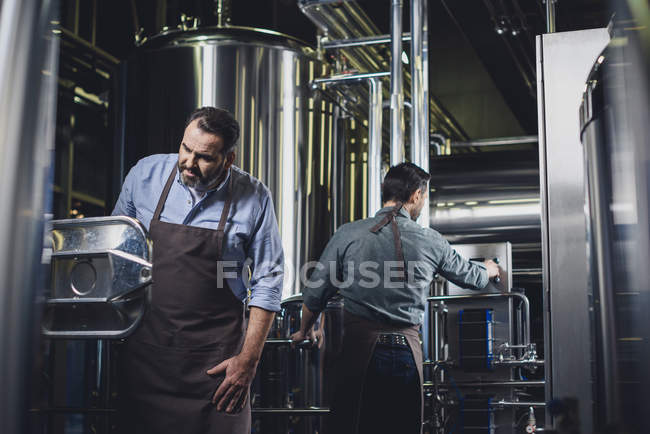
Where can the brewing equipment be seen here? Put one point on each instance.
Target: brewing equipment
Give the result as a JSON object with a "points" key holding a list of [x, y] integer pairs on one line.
{"points": [[295, 381], [486, 196], [614, 134], [263, 78], [564, 60], [100, 277], [482, 351]]}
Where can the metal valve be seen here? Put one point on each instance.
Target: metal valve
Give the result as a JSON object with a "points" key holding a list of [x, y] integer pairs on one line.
{"points": [[531, 427]]}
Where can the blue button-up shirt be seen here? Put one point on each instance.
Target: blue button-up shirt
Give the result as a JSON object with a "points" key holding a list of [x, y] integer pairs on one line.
{"points": [[252, 236]]}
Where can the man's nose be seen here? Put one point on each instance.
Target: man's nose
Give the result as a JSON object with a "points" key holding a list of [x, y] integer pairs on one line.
{"points": [[191, 160]]}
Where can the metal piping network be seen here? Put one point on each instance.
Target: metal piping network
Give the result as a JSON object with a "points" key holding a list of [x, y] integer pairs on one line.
{"points": [[374, 130], [420, 93], [345, 25], [525, 302], [396, 85]]}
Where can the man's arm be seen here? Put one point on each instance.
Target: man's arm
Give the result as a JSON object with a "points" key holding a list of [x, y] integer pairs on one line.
{"points": [[319, 289], [462, 272], [267, 264], [240, 370], [124, 205]]}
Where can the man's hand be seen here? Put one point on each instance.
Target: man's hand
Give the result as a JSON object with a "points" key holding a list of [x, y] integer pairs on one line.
{"points": [[492, 268], [314, 336], [233, 391]]}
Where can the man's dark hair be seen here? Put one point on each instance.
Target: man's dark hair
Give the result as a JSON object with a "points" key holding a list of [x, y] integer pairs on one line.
{"points": [[402, 181], [218, 122]]}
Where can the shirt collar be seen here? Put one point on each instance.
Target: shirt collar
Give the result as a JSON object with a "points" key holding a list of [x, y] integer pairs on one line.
{"points": [[403, 212], [217, 188]]}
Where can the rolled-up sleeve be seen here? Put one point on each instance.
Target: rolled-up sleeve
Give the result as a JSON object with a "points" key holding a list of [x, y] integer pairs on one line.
{"points": [[319, 287], [458, 270], [267, 259], [124, 205]]}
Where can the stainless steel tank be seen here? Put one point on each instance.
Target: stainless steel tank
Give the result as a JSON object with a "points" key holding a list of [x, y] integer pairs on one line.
{"points": [[615, 136], [486, 197], [286, 130], [295, 382]]}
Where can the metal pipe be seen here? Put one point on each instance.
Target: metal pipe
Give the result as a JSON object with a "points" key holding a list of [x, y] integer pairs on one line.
{"points": [[337, 173], [352, 77], [499, 141], [374, 146], [513, 383], [518, 362], [602, 246], [420, 94], [419, 91], [74, 410], [223, 12], [374, 130], [361, 42], [550, 16], [93, 37], [527, 272], [92, 48], [309, 411], [273, 341], [434, 376], [396, 86], [504, 403], [521, 297], [136, 22]]}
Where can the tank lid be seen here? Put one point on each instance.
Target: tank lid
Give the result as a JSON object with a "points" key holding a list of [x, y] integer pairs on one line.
{"points": [[178, 37]]}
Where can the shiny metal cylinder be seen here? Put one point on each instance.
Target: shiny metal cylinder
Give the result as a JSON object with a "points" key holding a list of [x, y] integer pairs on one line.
{"points": [[420, 92], [550, 16], [396, 85], [296, 379], [374, 146], [486, 197], [615, 134], [263, 78], [29, 50]]}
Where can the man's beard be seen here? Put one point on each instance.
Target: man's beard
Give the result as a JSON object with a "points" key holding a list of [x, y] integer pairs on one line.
{"points": [[199, 182]]}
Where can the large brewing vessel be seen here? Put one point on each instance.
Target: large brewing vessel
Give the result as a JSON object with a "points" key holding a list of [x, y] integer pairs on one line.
{"points": [[486, 197], [263, 78]]}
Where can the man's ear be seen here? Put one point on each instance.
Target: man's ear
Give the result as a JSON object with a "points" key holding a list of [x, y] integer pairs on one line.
{"points": [[415, 197], [230, 158]]}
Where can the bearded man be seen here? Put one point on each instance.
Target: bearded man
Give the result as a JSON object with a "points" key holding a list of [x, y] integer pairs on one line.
{"points": [[189, 365]]}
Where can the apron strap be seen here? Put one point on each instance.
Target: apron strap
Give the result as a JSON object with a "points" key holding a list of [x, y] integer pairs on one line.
{"points": [[163, 195], [390, 218], [222, 220], [224, 212]]}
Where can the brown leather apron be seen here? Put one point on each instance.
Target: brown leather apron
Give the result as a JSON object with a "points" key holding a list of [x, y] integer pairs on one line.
{"points": [[194, 322], [359, 339]]}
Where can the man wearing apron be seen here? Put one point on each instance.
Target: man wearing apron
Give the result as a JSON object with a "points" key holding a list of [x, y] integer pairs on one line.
{"points": [[383, 267], [189, 365]]}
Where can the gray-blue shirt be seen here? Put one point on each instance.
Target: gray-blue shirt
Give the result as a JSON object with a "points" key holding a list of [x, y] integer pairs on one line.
{"points": [[252, 236], [362, 266]]}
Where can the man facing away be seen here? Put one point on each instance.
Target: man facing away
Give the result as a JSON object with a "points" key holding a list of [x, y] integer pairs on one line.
{"points": [[189, 365], [383, 266]]}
